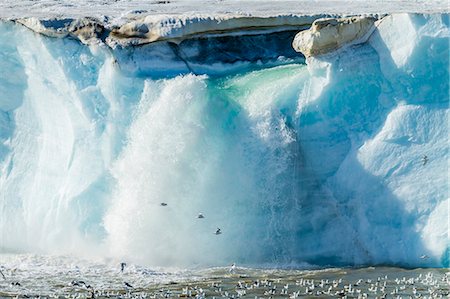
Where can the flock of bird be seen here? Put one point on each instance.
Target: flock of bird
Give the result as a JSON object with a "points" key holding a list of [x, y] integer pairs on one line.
{"points": [[422, 286], [237, 283]]}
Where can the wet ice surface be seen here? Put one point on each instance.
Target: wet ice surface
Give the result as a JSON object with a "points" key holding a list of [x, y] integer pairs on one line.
{"points": [[117, 8], [31, 276]]}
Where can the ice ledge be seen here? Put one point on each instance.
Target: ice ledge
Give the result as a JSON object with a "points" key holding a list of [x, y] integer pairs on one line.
{"points": [[87, 30], [327, 35], [154, 28]]}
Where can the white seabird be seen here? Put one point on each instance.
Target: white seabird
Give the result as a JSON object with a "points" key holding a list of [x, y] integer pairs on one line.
{"points": [[232, 268]]}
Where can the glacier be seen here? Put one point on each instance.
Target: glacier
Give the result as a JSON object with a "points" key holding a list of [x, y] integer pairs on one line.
{"points": [[337, 159]]}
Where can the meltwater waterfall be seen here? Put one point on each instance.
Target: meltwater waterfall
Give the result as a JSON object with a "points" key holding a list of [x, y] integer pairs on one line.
{"points": [[320, 163]]}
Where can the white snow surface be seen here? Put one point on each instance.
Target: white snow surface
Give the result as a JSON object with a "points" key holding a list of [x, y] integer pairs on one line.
{"points": [[123, 8]]}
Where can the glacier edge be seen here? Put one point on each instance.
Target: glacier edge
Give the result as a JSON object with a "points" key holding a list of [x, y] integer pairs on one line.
{"points": [[325, 160]]}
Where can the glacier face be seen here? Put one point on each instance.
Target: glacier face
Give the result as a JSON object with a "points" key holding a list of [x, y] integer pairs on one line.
{"points": [[320, 163]]}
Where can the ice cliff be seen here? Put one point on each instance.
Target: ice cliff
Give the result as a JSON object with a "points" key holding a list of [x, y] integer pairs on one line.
{"points": [[339, 159]]}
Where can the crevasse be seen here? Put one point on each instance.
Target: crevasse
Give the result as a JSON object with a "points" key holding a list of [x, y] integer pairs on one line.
{"points": [[321, 163]]}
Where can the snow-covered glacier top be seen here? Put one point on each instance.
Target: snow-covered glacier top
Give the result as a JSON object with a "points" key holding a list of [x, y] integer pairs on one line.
{"points": [[119, 8]]}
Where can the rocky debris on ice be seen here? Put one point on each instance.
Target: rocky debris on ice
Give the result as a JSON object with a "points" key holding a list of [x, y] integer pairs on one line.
{"points": [[329, 34]]}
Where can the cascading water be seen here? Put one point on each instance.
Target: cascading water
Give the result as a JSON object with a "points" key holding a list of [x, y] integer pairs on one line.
{"points": [[294, 163], [221, 148]]}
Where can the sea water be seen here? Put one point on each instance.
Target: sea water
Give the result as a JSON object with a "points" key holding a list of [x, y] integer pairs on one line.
{"points": [[29, 276]]}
